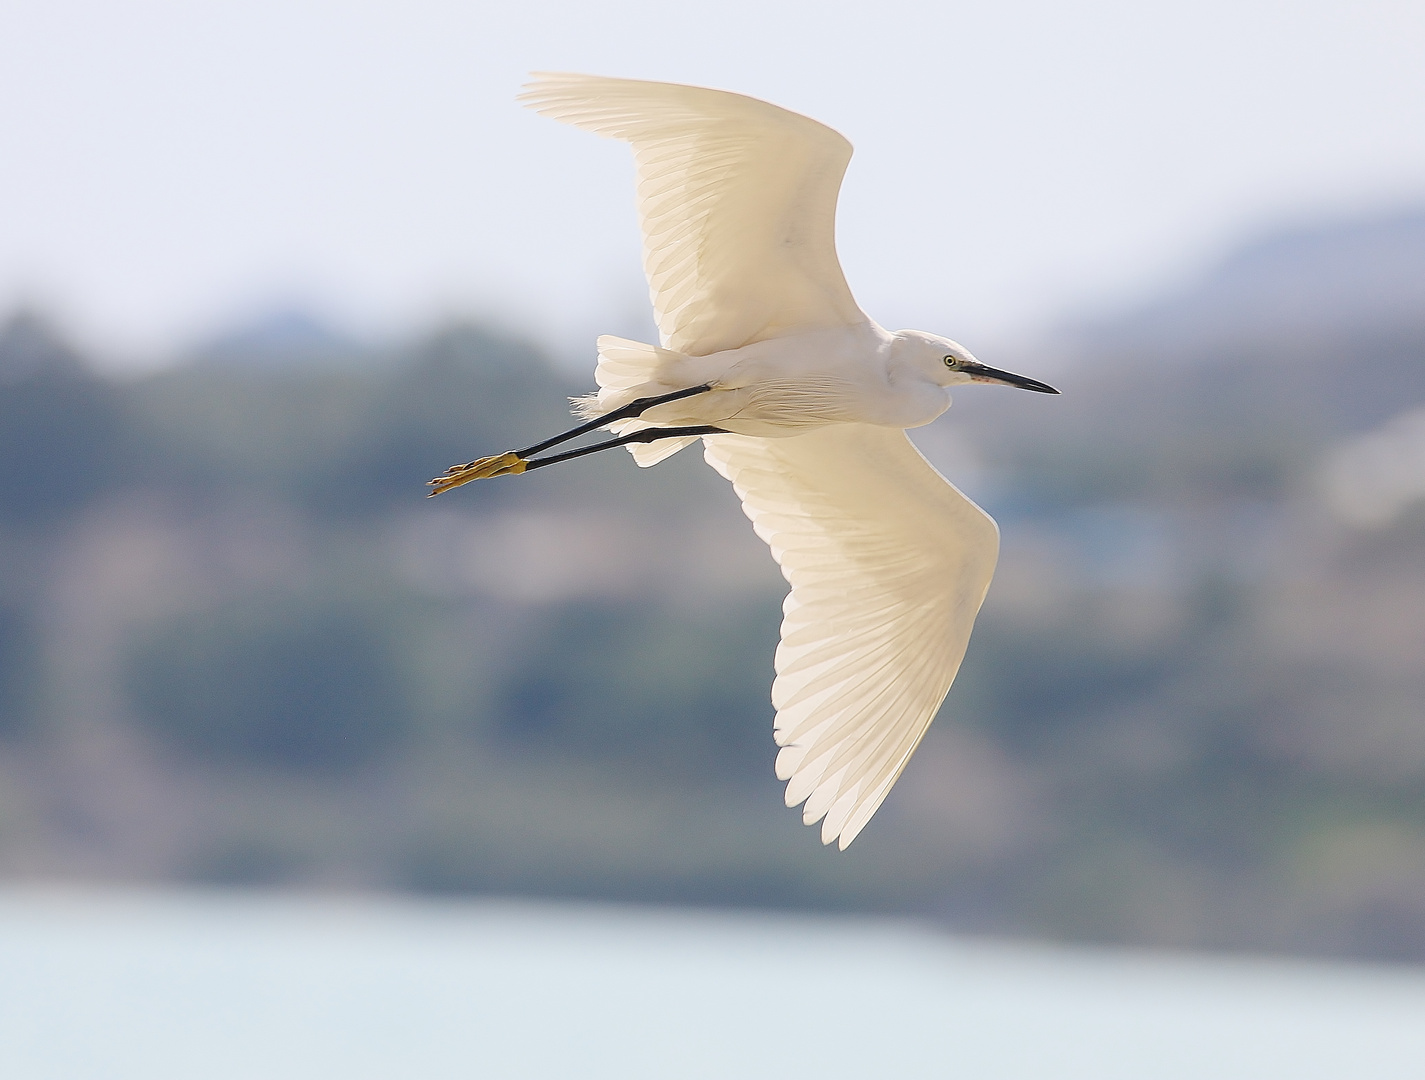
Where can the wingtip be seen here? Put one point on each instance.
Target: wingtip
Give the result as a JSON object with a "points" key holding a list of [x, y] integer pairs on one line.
{"points": [[535, 78], [540, 83]]}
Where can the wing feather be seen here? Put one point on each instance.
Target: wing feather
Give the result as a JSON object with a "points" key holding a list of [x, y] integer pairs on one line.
{"points": [[888, 565], [737, 201]]}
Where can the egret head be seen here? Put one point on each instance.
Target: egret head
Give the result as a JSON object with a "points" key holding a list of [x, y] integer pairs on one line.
{"points": [[948, 363]]}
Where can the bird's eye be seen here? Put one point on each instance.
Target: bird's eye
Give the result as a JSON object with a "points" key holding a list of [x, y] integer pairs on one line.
{"points": [[949, 361]]}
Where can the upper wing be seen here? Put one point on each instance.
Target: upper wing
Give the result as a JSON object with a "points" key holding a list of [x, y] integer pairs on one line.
{"points": [[737, 200], [888, 565]]}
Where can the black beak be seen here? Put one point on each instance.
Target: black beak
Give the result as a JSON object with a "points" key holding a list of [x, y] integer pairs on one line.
{"points": [[984, 373]]}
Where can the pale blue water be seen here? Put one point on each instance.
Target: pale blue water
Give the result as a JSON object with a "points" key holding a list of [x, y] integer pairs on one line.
{"points": [[210, 987]]}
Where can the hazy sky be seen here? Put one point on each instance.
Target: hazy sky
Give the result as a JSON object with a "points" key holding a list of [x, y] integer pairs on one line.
{"points": [[169, 167]]}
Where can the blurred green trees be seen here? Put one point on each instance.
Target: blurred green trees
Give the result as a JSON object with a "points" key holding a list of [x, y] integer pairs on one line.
{"points": [[59, 425], [1193, 711], [282, 681]]}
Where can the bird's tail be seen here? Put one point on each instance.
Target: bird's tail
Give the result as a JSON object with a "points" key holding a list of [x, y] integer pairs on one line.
{"points": [[629, 370]]}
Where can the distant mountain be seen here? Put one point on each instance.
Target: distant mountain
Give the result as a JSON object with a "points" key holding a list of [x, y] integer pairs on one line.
{"points": [[1335, 277], [1318, 330], [279, 338]]}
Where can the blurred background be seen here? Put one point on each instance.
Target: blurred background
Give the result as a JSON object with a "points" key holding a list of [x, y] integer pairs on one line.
{"points": [[267, 267]]}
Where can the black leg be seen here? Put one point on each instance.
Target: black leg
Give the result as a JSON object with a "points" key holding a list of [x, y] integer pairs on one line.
{"points": [[627, 412], [513, 462], [647, 435]]}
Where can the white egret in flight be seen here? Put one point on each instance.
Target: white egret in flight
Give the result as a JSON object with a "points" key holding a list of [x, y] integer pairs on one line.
{"points": [[801, 401]]}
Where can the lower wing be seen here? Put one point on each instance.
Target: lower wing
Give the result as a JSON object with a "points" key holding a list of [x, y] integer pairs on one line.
{"points": [[888, 564]]}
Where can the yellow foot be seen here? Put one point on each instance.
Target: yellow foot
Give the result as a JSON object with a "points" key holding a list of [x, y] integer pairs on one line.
{"points": [[500, 465]]}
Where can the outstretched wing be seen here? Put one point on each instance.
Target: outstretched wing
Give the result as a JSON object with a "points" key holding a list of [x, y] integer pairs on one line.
{"points": [[888, 565], [737, 199]]}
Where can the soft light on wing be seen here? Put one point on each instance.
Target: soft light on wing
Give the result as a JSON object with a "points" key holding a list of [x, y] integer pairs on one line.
{"points": [[888, 565], [737, 200]]}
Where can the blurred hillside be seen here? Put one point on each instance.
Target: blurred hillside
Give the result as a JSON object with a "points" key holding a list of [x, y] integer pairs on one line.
{"points": [[237, 645]]}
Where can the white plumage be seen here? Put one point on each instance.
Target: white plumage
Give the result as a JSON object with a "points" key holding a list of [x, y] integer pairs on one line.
{"points": [[888, 563], [737, 200]]}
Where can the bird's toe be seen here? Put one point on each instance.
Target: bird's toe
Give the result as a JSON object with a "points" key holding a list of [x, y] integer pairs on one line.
{"points": [[508, 463]]}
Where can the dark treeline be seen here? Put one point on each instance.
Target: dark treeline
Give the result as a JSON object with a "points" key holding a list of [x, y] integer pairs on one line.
{"points": [[237, 645]]}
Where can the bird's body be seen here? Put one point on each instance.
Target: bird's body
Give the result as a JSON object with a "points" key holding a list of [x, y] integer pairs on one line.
{"points": [[801, 401], [786, 386]]}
